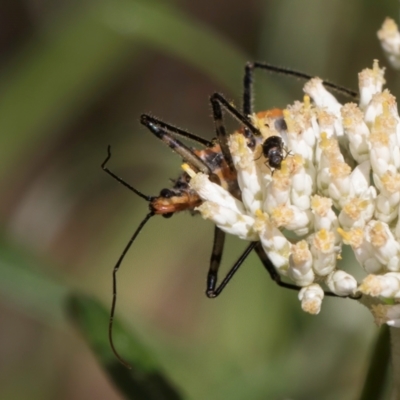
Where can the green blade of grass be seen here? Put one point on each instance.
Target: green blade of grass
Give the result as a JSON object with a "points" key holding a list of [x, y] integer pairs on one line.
{"points": [[144, 381]]}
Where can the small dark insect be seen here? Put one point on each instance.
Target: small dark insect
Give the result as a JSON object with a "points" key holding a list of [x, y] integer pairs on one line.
{"points": [[215, 160], [273, 151]]}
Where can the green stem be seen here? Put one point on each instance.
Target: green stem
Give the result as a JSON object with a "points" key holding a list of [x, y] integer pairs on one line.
{"points": [[395, 352], [376, 377]]}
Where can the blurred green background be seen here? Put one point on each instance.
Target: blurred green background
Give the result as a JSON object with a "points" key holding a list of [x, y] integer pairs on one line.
{"points": [[74, 77]]}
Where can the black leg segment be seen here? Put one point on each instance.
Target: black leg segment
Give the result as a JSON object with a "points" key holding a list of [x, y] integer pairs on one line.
{"points": [[248, 82], [212, 291], [174, 144]]}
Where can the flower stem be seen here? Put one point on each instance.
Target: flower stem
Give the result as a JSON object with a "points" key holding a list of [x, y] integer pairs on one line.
{"points": [[376, 377], [395, 352]]}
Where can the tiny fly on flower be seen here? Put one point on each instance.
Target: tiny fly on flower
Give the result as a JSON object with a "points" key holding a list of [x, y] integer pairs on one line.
{"points": [[215, 160]]}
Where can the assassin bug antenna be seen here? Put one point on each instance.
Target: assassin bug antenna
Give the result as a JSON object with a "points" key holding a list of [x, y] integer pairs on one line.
{"points": [[123, 254], [114, 297], [104, 167]]}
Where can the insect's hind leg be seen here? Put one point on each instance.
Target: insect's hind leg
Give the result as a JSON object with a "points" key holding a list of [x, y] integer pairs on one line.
{"points": [[212, 289], [275, 276], [248, 82]]}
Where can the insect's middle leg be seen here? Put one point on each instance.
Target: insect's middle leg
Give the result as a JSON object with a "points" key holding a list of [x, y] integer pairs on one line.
{"points": [[219, 103]]}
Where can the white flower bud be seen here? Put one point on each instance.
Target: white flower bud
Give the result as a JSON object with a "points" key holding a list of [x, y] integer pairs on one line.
{"points": [[311, 298], [357, 132], [322, 98], [390, 41], [324, 252], [300, 264], [248, 177], [370, 81], [229, 220], [387, 285], [341, 283]]}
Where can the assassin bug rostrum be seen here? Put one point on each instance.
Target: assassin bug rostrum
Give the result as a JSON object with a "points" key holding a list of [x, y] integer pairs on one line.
{"points": [[214, 160]]}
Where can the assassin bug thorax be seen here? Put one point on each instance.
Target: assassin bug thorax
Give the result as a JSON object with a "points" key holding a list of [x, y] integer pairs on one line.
{"points": [[214, 160]]}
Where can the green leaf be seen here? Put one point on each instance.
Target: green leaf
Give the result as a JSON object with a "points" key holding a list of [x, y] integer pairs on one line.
{"points": [[24, 283], [144, 381]]}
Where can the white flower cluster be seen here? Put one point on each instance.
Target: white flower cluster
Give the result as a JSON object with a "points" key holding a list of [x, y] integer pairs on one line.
{"points": [[338, 185]]}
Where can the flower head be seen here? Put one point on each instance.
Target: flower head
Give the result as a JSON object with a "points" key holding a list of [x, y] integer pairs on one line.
{"points": [[338, 184]]}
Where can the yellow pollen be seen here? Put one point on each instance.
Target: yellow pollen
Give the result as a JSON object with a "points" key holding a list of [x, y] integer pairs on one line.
{"points": [[188, 170], [371, 76], [282, 215], [310, 306], [324, 240], [261, 220], [339, 169], [259, 214], [259, 123], [330, 147], [378, 135], [324, 143], [371, 285], [300, 252], [345, 235], [307, 102], [354, 237], [378, 235], [281, 177], [376, 70], [386, 121], [321, 205], [298, 159], [351, 116], [391, 181], [325, 118], [291, 126], [244, 158], [354, 207]]}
